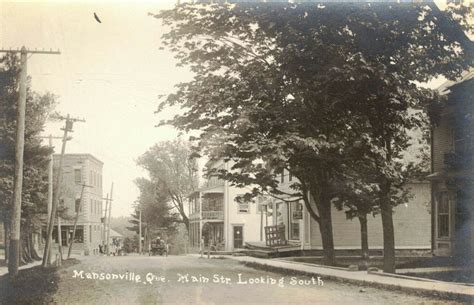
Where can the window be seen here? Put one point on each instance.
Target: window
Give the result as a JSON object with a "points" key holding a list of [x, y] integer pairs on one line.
{"points": [[92, 204], [243, 207], [443, 214], [78, 207], [296, 214], [282, 176], [77, 175], [459, 143], [290, 176]]}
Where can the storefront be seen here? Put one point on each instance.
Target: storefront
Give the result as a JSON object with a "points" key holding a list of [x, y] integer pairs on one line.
{"points": [[289, 215]]}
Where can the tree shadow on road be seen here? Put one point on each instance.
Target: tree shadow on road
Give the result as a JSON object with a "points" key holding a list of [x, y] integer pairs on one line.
{"points": [[35, 285]]}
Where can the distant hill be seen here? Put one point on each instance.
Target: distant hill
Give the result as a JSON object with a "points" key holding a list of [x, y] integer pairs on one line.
{"points": [[120, 225]]}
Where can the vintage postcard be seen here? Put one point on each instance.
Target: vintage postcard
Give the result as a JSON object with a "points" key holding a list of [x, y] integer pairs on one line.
{"points": [[236, 152]]}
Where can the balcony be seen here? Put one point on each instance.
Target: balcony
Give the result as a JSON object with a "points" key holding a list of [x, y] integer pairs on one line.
{"points": [[194, 215], [213, 215], [213, 182]]}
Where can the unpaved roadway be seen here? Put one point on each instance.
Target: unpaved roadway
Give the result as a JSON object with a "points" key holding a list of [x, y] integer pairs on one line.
{"points": [[193, 280]]}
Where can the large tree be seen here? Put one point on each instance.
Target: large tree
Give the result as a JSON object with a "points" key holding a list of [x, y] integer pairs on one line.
{"points": [[36, 155], [154, 203], [312, 88], [172, 171]]}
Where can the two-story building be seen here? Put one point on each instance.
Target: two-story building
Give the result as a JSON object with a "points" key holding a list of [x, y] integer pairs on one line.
{"points": [[235, 225], [230, 224], [412, 222], [80, 170], [453, 170]]}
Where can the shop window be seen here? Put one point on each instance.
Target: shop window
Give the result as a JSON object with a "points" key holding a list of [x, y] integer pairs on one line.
{"points": [[296, 214], [79, 235]]}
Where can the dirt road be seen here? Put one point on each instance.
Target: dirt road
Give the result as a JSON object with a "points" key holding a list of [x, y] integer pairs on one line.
{"points": [[191, 280]]}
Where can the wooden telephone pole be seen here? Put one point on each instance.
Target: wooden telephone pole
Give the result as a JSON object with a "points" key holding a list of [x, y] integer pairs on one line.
{"points": [[78, 211], [108, 219], [140, 249], [14, 249], [50, 181], [104, 222], [57, 186]]}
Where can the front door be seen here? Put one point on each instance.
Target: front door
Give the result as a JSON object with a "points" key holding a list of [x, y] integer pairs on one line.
{"points": [[238, 237]]}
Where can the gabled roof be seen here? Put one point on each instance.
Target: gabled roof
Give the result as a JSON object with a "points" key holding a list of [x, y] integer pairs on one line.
{"points": [[114, 233], [445, 88]]}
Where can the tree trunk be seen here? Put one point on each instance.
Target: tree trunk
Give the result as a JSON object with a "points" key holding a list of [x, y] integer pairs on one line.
{"points": [[6, 228], [325, 227], [364, 237], [388, 236], [324, 219], [186, 221], [32, 251], [25, 251]]}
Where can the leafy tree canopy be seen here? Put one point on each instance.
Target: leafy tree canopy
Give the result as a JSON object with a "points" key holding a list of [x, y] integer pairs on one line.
{"points": [[301, 85], [36, 155], [173, 173]]}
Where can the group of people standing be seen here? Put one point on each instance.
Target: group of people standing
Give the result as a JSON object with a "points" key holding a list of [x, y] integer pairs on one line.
{"points": [[113, 251]]}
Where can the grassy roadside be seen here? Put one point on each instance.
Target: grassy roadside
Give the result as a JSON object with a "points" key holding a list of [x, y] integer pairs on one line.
{"points": [[34, 285]]}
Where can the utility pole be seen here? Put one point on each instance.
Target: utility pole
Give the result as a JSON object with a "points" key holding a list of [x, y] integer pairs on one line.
{"points": [[78, 211], [14, 249], [57, 186], [140, 231], [108, 222], [104, 233], [50, 184]]}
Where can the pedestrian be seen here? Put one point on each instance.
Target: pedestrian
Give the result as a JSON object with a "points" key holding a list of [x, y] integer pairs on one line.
{"points": [[167, 248]]}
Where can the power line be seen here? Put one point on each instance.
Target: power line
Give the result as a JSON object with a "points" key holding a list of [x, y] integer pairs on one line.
{"points": [[15, 221], [68, 124]]}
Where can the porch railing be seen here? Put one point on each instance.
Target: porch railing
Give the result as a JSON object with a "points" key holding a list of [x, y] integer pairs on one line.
{"points": [[213, 215]]}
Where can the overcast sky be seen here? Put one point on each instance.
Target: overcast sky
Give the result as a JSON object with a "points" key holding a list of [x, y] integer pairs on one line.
{"points": [[108, 73]]}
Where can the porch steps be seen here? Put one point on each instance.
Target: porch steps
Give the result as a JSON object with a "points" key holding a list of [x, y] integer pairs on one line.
{"points": [[261, 250]]}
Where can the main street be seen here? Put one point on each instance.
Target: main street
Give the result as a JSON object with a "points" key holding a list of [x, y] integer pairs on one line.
{"points": [[193, 280]]}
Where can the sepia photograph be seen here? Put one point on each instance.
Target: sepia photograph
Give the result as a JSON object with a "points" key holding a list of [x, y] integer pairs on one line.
{"points": [[236, 152]]}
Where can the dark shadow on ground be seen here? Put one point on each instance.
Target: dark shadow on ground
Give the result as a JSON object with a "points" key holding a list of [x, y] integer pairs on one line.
{"points": [[31, 286]]}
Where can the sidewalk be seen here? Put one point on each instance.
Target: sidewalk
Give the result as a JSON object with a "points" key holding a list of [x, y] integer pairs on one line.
{"points": [[4, 269], [377, 279]]}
